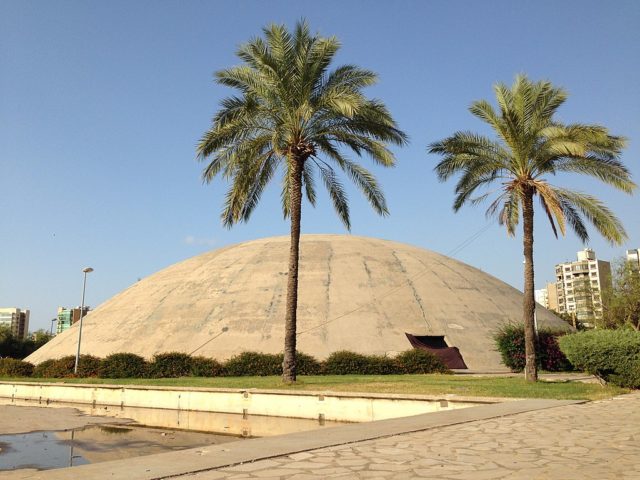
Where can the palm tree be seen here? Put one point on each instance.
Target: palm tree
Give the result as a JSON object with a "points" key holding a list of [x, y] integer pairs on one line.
{"points": [[531, 146], [293, 114]]}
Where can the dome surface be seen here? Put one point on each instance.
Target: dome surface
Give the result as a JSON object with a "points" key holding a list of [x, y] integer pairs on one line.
{"points": [[355, 293]]}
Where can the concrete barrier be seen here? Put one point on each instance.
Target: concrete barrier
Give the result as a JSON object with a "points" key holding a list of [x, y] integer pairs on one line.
{"points": [[320, 406]]}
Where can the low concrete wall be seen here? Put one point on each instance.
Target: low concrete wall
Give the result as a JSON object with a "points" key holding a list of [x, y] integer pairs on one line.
{"points": [[340, 407]]}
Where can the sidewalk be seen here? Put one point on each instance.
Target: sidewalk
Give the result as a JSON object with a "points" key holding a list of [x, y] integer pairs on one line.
{"points": [[527, 440], [598, 440]]}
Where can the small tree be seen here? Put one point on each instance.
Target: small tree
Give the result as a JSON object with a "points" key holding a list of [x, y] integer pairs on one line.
{"points": [[622, 301]]}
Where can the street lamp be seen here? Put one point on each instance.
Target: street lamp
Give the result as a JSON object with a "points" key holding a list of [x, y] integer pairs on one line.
{"points": [[52, 320], [84, 287]]}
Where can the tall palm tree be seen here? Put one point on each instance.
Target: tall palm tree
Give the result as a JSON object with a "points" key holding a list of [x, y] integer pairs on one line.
{"points": [[291, 113], [531, 146]]}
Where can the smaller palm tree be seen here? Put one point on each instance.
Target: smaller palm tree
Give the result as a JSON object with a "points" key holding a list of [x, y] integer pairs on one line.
{"points": [[531, 146]]}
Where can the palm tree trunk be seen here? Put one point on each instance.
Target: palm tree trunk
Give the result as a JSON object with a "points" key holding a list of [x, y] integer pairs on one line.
{"points": [[289, 363], [529, 305]]}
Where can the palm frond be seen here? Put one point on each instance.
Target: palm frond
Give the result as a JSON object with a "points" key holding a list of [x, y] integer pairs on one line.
{"points": [[598, 214], [336, 193]]}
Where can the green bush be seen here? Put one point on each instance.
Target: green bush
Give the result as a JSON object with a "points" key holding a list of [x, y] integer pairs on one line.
{"points": [[123, 365], [10, 367], [419, 361], [253, 364], [613, 355], [205, 367], [170, 365], [88, 366], [510, 343], [350, 363], [305, 364], [44, 369]]}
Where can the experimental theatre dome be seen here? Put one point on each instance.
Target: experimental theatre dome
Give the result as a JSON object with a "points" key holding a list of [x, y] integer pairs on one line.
{"points": [[356, 293]]}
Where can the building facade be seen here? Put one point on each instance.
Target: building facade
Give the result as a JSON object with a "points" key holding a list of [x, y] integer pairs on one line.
{"points": [[67, 317], [580, 284], [16, 319], [552, 297]]}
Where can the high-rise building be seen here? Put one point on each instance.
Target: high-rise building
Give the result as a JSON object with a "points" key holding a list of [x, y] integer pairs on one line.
{"points": [[67, 317], [633, 259], [580, 285], [16, 319]]}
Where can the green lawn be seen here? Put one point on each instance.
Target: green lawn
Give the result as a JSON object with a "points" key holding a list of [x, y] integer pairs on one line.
{"points": [[514, 387]]}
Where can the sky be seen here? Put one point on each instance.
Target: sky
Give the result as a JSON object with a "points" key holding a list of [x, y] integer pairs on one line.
{"points": [[102, 105]]}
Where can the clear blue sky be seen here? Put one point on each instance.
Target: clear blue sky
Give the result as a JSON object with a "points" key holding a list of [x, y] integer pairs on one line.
{"points": [[102, 103]]}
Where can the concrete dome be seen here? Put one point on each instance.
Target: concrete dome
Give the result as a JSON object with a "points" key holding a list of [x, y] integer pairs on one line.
{"points": [[356, 293]]}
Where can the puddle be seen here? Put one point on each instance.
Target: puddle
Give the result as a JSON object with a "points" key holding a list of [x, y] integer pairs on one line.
{"points": [[95, 443]]}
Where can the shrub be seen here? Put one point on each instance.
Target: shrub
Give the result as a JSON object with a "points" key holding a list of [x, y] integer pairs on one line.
{"points": [[88, 366], [612, 355], [10, 367], [123, 365], [253, 364], [350, 363], [44, 369], [205, 367], [305, 364], [420, 361], [549, 356], [170, 365], [510, 343]]}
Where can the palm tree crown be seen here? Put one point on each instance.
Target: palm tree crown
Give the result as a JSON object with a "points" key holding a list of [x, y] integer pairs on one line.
{"points": [[290, 109], [532, 145]]}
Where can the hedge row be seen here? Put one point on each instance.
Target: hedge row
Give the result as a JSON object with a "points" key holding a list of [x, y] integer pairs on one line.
{"points": [[176, 364], [510, 343], [612, 355]]}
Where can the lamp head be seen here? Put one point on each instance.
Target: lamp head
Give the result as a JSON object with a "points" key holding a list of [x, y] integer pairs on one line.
{"points": [[87, 270]]}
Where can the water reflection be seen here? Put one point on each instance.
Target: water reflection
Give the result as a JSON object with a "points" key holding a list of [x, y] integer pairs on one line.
{"points": [[95, 443], [243, 425]]}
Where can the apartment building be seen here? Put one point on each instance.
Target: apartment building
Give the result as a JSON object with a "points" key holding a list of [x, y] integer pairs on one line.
{"points": [[16, 319], [580, 284]]}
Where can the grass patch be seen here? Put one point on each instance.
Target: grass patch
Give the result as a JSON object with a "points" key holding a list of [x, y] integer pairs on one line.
{"points": [[434, 384]]}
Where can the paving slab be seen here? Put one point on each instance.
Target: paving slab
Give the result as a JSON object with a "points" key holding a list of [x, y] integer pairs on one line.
{"points": [[212, 459], [597, 440]]}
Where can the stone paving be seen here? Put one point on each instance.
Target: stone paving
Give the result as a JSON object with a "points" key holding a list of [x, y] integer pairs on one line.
{"points": [[597, 440]]}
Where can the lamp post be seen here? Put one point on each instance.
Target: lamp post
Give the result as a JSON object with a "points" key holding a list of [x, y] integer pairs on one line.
{"points": [[84, 287], [51, 331]]}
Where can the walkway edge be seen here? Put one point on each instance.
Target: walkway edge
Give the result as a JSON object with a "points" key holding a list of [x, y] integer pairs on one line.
{"points": [[173, 464]]}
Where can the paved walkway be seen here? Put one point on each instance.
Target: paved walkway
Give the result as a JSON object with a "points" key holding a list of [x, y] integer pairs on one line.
{"points": [[597, 440]]}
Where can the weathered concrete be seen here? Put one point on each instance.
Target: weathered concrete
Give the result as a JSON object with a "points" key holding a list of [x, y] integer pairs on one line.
{"points": [[263, 453], [330, 406], [15, 419], [356, 293]]}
